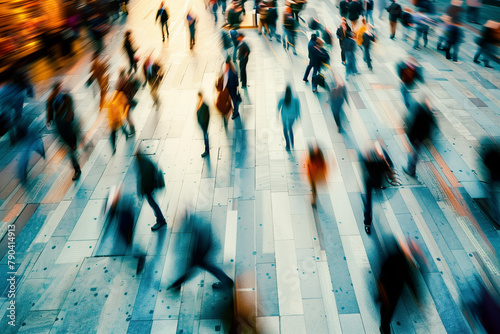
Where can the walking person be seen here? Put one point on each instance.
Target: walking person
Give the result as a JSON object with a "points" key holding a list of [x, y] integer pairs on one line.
{"points": [[454, 38], [342, 34], [409, 71], [289, 109], [129, 87], [203, 116], [243, 54], [316, 170], [473, 7], [214, 5], [202, 244], [374, 171], [419, 129], [263, 11], [319, 56], [118, 108], [149, 179], [394, 12], [130, 50], [485, 42], [407, 22], [272, 18], [234, 37], [355, 10], [191, 20], [344, 8], [338, 94], [289, 24], [99, 71], [350, 55], [231, 82], [154, 77], [368, 38], [162, 14], [60, 110], [369, 11], [421, 22], [310, 47], [491, 160]]}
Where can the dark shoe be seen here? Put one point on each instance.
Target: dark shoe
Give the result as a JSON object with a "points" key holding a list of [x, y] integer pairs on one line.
{"points": [[204, 154], [174, 287], [158, 225], [477, 61], [287, 148], [305, 80], [235, 116], [163, 39], [315, 90], [220, 285], [77, 175], [368, 229], [488, 66], [140, 264]]}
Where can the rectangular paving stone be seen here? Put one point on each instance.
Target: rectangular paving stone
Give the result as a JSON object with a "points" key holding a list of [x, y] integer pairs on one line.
{"points": [[315, 316], [244, 187], [22, 220], [293, 324], [39, 321], [282, 222], [351, 323], [268, 290], [308, 274], [139, 326], [289, 293]]}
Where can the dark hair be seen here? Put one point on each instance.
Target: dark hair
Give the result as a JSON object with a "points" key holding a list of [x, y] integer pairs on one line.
{"points": [[288, 95], [313, 37]]}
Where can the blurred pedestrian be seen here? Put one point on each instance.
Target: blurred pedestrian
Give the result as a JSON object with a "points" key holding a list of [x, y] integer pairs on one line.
{"points": [[98, 28], [319, 57], [316, 170], [491, 160], [369, 11], [203, 116], [407, 22], [162, 14], [272, 18], [234, 37], [422, 23], [289, 109], [396, 271], [202, 244], [243, 54], [234, 15], [130, 50], [420, 128], [289, 24], [454, 10], [409, 71], [338, 94], [374, 172], [12, 97], [473, 7], [149, 179], [489, 36], [342, 34], [128, 85], [297, 6], [350, 55], [154, 76], [368, 38], [99, 71], [33, 143], [223, 101], [310, 47], [191, 20], [355, 10], [454, 39], [394, 12], [118, 109], [263, 10], [60, 110], [231, 82]]}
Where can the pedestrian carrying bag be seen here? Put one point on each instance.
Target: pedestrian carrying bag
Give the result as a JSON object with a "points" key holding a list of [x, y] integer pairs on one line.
{"points": [[159, 180]]}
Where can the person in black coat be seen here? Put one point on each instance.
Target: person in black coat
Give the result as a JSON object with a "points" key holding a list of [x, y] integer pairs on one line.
{"points": [[203, 115], [485, 44], [342, 34], [243, 54], [318, 57], [344, 8], [232, 83], [453, 40], [202, 244], [491, 160], [394, 12], [147, 182], [130, 51], [368, 38], [374, 172], [162, 13], [355, 10], [419, 130], [310, 47]]}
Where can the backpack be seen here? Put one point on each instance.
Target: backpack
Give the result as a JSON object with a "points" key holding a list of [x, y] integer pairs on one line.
{"points": [[408, 73]]}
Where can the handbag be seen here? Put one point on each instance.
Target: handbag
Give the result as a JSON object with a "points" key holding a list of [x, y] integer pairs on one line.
{"points": [[319, 79]]}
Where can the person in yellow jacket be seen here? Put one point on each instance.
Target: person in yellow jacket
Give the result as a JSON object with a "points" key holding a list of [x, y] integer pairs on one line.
{"points": [[99, 71], [118, 109], [360, 32]]}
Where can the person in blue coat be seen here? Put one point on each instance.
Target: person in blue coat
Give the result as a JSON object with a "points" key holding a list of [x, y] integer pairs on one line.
{"points": [[289, 108]]}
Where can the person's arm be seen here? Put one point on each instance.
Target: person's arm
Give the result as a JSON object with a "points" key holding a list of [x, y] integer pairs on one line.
{"points": [[157, 15], [50, 110]]}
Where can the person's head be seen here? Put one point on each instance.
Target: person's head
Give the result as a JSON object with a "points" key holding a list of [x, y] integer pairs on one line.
{"points": [[363, 21], [240, 37], [128, 33], [200, 95], [161, 5], [288, 95], [314, 37], [57, 87]]}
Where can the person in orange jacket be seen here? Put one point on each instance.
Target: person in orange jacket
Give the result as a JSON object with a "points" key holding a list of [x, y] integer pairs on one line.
{"points": [[316, 169], [118, 109]]}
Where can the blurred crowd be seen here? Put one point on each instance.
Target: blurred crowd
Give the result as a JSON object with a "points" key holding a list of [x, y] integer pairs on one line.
{"points": [[355, 33]]}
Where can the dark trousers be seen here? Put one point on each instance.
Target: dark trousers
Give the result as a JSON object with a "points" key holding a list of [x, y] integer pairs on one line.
{"points": [[113, 137], [413, 158], [132, 63], [472, 14], [236, 105], [336, 107], [164, 26], [421, 32], [368, 59], [386, 312], [155, 207], [368, 201], [205, 140], [314, 82], [342, 53], [288, 132], [191, 35], [202, 263], [243, 71], [308, 69]]}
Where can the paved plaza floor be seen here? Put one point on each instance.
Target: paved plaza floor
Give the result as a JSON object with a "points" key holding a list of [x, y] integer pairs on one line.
{"points": [[300, 271]]}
